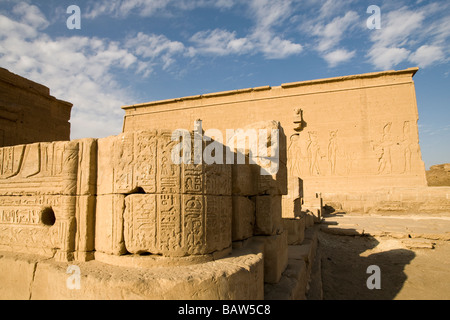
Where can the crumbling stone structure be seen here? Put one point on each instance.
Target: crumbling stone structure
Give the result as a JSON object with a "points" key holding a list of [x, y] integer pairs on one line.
{"points": [[29, 114], [137, 224], [120, 202]]}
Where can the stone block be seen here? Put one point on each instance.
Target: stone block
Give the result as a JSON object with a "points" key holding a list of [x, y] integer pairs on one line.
{"points": [[314, 205], [239, 276], [58, 168], [275, 256], [59, 226], [109, 224], [268, 215], [142, 162], [85, 224], [243, 218], [244, 180], [177, 225], [293, 283], [275, 184], [295, 229], [16, 275]]}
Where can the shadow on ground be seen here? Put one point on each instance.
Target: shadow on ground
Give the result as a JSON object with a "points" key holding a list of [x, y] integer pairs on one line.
{"points": [[345, 262]]}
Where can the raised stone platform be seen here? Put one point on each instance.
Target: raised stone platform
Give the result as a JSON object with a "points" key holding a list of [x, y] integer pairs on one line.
{"points": [[239, 276]]}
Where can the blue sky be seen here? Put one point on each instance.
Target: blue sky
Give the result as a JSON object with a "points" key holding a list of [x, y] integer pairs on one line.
{"points": [[135, 51]]}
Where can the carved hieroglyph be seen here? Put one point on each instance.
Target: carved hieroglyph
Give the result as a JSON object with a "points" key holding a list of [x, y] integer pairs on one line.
{"points": [[47, 198], [169, 209], [177, 225]]}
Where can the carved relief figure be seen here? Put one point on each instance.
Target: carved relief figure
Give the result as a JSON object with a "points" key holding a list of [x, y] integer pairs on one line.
{"points": [[294, 153], [407, 147], [313, 154], [332, 151], [384, 150]]}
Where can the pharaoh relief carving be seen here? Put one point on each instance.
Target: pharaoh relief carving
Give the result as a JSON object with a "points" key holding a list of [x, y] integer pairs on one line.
{"points": [[395, 149], [408, 147], [332, 151], [314, 153], [294, 156]]}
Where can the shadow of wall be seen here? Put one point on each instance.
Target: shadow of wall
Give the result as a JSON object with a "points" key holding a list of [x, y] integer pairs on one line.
{"points": [[345, 263]]}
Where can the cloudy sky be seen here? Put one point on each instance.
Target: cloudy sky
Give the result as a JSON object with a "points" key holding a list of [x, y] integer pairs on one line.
{"points": [[135, 51]]}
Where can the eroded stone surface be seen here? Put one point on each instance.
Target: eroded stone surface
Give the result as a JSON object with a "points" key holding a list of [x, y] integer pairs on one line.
{"points": [[47, 199]]}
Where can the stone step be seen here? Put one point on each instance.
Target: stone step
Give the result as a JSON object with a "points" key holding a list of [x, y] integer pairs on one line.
{"points": [[301, 274]]}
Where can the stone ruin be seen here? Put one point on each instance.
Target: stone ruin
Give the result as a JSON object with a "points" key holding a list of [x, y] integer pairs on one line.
{"points": [[28, 113], [135, 225], [120, 202]]}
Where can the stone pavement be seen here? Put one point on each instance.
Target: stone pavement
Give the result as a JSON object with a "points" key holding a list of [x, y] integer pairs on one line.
{"points": [[412, 251], [404, 226]]}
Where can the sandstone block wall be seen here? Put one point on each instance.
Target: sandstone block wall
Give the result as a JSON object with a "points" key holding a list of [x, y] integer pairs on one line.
{"points": [[47, 198], [348, 134], [29, 114]]}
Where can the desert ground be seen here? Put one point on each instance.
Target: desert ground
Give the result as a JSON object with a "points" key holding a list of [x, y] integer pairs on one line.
{"points": [[411, 250]]}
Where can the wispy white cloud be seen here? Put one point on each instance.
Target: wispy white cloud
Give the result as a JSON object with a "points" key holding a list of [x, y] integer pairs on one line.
{"points": [[219, 42], [333, 23], [30, 15], [77, 69], [331, 34], [427, 55], [386, 58], [338, 56], [268, 15], [153, 49], [263, 38], [417, 35], [148, 8]]}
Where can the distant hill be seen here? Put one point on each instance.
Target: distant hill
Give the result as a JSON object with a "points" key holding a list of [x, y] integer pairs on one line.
{"points": [[439, 175]]}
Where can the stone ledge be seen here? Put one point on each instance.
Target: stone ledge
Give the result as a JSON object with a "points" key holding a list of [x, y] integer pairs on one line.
{"points": [[301, 274], [236, 277]]}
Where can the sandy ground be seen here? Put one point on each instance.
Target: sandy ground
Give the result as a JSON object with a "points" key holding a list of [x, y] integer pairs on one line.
{"points": [[413, 267]]}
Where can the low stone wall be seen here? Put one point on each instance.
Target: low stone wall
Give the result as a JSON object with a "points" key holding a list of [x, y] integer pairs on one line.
{"points": [[392, 200], [136, 225]]}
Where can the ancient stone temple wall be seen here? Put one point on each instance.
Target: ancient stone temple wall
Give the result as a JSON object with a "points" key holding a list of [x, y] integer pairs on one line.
{"points": [[122, 202], [29, 114], [47, 198], [352, 134]]}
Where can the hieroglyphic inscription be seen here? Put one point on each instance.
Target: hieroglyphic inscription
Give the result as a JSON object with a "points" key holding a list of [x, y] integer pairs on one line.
{"points": [[193, 179], [169, 224], [166, 211], [41, 168], [140, 223], [145, 163], [218, 179], [123, 169], [11, 158], [25, 210], [218, 222], [194, 226], [169, 174]]}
